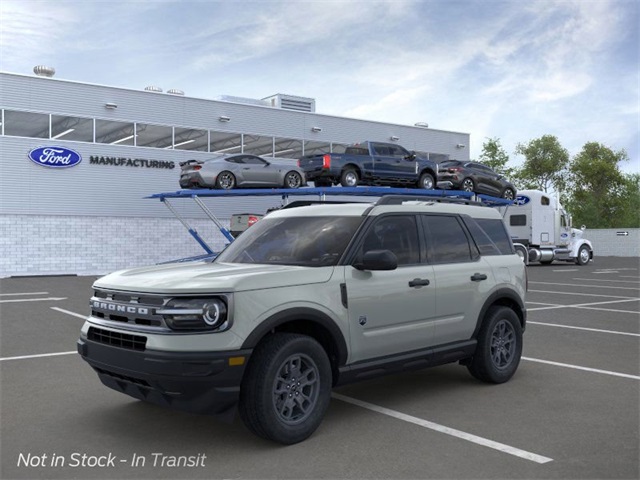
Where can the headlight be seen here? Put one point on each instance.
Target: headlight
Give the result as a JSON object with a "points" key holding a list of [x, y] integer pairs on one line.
{"points": [[193, 314]]}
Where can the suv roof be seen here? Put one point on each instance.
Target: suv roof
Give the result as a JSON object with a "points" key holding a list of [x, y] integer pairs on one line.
{"points": [[357, 209]]}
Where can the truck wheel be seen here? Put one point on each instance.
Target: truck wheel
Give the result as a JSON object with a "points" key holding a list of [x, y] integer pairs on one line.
{"points": [[426, 181], [226, 180], [499, 347], [468, 185], [349, 178], [583, 255], [286, 389], [292, 180]]}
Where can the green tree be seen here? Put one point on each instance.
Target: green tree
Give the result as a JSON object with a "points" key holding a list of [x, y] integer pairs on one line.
{"points": [[599, 194], [494, 156], [545, 164]]}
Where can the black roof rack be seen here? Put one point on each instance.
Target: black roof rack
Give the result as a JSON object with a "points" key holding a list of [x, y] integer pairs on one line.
{"points": [[399, 199]]}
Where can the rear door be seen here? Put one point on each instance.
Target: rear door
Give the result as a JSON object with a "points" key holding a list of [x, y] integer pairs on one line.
{"points": [[462, 278]]}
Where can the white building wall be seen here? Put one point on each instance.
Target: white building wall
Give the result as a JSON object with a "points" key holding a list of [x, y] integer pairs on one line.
{"points": [[607, 242]]}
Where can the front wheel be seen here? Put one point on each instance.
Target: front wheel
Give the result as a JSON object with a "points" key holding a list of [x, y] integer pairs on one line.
{"points": [[349, 178], [426, 181], [286, 389], [292, 180], [226, 180], [499, 347], [583, 255]]}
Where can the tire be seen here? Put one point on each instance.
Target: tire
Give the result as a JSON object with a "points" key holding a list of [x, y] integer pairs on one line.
{"points": [[265, 406], [426, 182], [349, 178], [225, 180], [468, 185], [508, 194], [584, 255], [292, 180], [499, 347]]}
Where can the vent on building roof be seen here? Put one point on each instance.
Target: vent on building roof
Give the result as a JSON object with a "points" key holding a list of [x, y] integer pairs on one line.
{"points": [[175, 91], [153, 88], [291, 102], [44, 71]]}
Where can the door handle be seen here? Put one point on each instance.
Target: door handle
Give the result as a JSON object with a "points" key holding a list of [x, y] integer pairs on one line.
{"points": [[477, 277], [418, 282]]}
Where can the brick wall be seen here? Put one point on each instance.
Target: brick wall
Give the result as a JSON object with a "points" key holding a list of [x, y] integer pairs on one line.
{"points": [[53, 245]]}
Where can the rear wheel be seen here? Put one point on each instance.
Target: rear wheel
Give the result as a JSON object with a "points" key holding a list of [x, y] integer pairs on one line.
{"points": [[286, 389], [292, 180], [349, 178], [499, 347], [426, 181], [468, 185], [226, 180]]}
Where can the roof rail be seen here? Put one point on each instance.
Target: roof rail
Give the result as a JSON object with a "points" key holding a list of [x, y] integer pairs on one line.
{"points": [[399, 199]]}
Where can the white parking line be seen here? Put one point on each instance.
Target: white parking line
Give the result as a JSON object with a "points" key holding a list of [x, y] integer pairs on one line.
{"points": [[637, 289], [24, 357], [50, 299], [583, 294], [588, 306], [24, 293], [583, 328], [605, 280], [73, 314], [571, 270], [442, 429], [586, 369]]}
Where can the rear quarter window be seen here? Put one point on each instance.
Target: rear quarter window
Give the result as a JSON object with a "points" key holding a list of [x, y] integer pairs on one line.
{"points": [[490, 236]]}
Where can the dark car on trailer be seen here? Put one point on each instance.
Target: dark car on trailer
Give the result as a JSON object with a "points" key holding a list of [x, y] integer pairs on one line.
{"points": [[475, 177]]}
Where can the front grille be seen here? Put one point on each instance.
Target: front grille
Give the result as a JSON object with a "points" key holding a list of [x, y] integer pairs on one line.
{"points": [[129, 308], [117, 339]]}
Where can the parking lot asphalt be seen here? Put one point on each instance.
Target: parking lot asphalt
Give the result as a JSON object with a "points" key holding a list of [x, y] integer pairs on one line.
{"points": [[571, 410]]}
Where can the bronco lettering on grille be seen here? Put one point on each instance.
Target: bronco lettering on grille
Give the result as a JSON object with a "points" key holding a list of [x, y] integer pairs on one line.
{"points": [[113, 307]]}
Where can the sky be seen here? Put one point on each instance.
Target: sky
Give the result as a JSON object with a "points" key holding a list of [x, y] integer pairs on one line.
{"points": [[513, 70]]}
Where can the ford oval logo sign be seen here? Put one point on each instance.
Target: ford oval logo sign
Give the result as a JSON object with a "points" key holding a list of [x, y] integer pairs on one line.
{"points": [[55, 157], [521, 200]]}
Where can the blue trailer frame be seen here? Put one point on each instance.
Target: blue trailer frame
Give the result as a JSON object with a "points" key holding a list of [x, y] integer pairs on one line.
{"points": [[320, 192]]}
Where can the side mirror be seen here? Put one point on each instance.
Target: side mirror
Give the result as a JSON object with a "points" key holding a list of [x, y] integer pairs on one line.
{"points": [[411, 156], [378, 260]]}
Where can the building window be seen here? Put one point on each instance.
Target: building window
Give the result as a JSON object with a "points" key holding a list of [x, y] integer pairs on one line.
{"points": [[287, 148], [191, 139], [115, 133], [225, 142], [26, 124], [72, 128], [258, 145], [316, 148], [154, 136]]}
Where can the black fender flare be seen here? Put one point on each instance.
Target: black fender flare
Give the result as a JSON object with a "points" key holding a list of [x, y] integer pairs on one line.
{"points": [[300, 314], [496, 297]]}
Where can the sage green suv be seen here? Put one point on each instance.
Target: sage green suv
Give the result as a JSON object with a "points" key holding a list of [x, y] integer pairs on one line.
{"points": [[307, 299]]}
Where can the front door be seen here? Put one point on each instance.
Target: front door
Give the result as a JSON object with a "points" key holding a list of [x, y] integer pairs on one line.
{"points": [[391, 311]]}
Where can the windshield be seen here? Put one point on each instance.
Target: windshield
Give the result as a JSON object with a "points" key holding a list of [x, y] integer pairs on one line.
{"points": [[303, 241]]}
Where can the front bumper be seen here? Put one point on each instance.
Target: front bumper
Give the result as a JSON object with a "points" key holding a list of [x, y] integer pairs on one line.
{"points": [[199, 382]]}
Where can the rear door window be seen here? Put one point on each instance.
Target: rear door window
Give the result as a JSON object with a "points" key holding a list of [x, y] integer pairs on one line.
{"points": [[447, 240]]}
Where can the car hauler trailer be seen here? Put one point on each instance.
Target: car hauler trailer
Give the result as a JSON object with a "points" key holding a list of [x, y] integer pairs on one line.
{"points": [[542, 232], [319, 192]]}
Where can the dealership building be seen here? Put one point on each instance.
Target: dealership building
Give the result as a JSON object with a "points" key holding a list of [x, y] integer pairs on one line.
{"points": [[92, 217]]}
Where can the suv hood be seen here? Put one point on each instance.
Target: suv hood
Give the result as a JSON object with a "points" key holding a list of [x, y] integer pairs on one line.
{"points": [[205, 277]]}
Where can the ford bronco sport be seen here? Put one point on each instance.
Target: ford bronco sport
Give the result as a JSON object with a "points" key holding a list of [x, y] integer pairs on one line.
{"points": [[307, 299]]}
